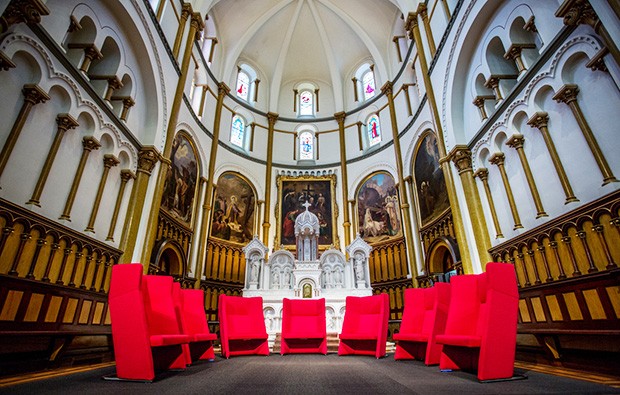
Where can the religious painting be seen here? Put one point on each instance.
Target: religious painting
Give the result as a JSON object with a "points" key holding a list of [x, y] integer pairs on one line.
{"points": [[181, 180], [378, 209], [318, 192], [429, 180], [233, 209]]}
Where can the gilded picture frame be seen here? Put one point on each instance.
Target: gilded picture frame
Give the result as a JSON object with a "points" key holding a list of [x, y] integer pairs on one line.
{"points": [[293, 192]]}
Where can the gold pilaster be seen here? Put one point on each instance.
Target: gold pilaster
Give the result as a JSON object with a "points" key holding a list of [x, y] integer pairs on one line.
{"points": [[568, 94], [540, 120], [340, 116], [186, 10], [259, 205], [423, 13], [354, 224], [459, 228], [89, 143], [497, 159], [126, 175], [147, 159], [387, 89], [355, 94], [65, 122], [33, 94], [516, 141], [256, 82], [271, 118], [109, 161], [212, 50], [408, 98], [204, 233], [22, 11], [160, 9], [396, 41], [461, 156], [483, 175], [196, 25]]}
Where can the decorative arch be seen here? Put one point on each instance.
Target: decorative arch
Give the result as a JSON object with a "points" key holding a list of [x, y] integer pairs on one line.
{"points": [[169, 258], [442, 258]]}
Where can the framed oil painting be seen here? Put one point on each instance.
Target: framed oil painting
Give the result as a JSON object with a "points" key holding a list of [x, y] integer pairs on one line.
{"points": [[429, 181], [181, 180], [234, 209], [378, 209], [319, 192]]}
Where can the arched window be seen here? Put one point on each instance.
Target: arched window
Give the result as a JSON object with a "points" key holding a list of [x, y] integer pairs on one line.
{"points": [[368, 84], [243, 85], [237, 131], [306, 103], [373, 130], [306, 145]]}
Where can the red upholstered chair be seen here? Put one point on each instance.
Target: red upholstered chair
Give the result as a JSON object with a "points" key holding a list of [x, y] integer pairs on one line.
{"points": [[481, 330], [145, 333], [304, 328], [242, 326], [365, 325], [189, 305], [424, 317]]}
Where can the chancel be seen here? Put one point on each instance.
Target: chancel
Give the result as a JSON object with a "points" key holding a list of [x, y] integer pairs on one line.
{"points": [[373, 159]]}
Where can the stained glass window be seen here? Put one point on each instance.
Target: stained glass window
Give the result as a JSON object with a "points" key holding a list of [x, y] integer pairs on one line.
{"points": [[237, 131], [374, 130], [306, 146], [368, 84], [306, 103], [243, 85]]}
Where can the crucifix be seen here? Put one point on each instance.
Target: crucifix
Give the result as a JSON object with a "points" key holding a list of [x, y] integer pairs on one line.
{"points": [[307, 192]]}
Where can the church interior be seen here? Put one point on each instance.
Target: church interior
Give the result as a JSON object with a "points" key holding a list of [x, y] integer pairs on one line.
{"points": [[310, 149]]}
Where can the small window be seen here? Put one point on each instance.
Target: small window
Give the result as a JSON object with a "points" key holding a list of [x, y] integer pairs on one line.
{"points": [[306, 103], [237, 131], [243, 85], [306, 146], [374, 130], [368, 84]]}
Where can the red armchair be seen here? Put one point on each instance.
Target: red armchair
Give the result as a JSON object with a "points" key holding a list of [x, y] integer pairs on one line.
{"points": [[365, 325], [424, 317], [242, 326], [304, 328], [189, 305], [481, 330], [145, 332]]}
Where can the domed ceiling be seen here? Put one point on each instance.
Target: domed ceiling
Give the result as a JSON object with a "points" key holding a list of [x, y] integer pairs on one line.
{"points": [[292, 41]]}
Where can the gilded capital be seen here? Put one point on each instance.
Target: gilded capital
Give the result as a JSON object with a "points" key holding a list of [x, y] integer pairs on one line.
{"points": [[110, 160], [575, 12], [478, 101], [340, 116], [66, 122], [186, 10], [222, 90], [197, 23], [33, 94], [567, 94], [516, 141], [492, 82], [539, 120], [497, 159], [412, 21], [482, 173], [18, 11], [387, 88], [461, 157], [272, 117], [89, 143], [127, 175], [422, 11], [147, 159]]}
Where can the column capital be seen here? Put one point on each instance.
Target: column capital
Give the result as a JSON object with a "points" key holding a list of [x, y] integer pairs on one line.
{"points": [[127, 175], [147, 158], [408, 179], [567, 94], [5, 62], [272, 117], [497, 159], [461, 157], [186, 10], [422, 10], [110, 160], [34, 94], [412, 21], [222, 90], [539, 120], [387, 88], [89, 143], [18, 11], [66, 122], [197, 23], [482, 173], [576, 12], [516, 141], [340, 116]]}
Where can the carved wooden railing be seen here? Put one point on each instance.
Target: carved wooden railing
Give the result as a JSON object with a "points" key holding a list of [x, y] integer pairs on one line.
{"points": [[388, 261], [441, 226]]}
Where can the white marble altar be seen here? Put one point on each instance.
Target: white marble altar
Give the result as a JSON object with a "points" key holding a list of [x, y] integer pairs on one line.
{"points": [[330, 276]]}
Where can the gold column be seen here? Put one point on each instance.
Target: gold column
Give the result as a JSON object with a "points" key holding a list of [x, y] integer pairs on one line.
{"points": [[109, 161], [33, 94], [540, 121], [126, 175], [259, 204], [479, 102], [186, 11], [395, 40], [408, 98], [202, 240], [414, 31], [446, 8], [256, 82], [64, 122], [461, 156], [354, 79], [272, 118], [498, 160], [576, 12], [415, 228], [197, 24], [514, 53], [19, 11], [91, 53], [493, 83], [211, 51], [568, 94], [160, 9], [203, 98], [128, 102], [340, 116], [89, 143], [404, 204], [147, 159], [483, 175], [422, 11], [516, 141], [354, 219]]}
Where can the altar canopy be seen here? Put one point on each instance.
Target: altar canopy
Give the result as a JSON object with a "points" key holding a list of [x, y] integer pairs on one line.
{"points": [[306, 274]]}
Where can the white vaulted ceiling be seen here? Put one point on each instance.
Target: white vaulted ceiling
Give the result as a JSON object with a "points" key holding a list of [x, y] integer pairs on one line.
{"points": [[290, 41]]}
